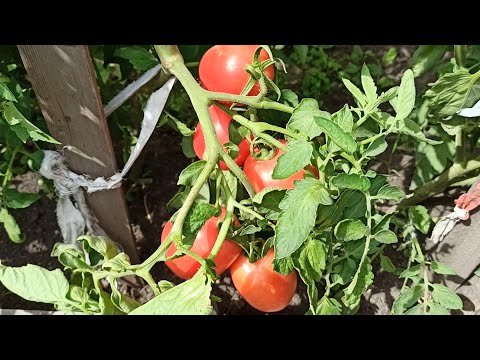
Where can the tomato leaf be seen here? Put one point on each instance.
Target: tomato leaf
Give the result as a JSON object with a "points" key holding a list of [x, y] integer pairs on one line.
{"points": [[296, 158], [355, 91], [406, 96], [351, 181], [406, 300], [312, 259], [268, 201], [119, 262], [289, 97], [361, 281], [443, 269], [102, 245], [328, 306], [70, 256], [420, 218], [344, 119], [199, 213], [446, 297], [436, 309], [35, 283], [19, 200], [452, 91], [387, 264], [283, 266], [299, 211], [388, 192], [11, 226], [123, 302], [336, 134], [348, 230], [426, 57], [376, 147], [408, 127], [189, 175], [344, 271], [138, 56], [6, 93], [386, 237], [368, 85], [416, 310], [191, 297], [23, 127], [302, 118], [411, 271]]}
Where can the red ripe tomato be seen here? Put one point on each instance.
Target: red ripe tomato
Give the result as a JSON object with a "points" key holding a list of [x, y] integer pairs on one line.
{"points": [[186, 266], [261, 286], [221, 121], [222, 69], [259, 172]]}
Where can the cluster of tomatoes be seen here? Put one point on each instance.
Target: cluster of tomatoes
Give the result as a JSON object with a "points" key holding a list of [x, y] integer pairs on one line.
{"points": [[222, 69]]}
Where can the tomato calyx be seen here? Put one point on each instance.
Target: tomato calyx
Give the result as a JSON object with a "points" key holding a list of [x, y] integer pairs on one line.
{"points": [[261, 150]]}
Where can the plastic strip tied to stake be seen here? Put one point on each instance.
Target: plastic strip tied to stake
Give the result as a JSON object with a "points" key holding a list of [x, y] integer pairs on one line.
{"points": [[466, 202], [75, 220]]}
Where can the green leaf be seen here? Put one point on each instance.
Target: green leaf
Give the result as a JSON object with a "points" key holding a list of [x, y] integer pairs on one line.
{"points": [[446, 297], [165, 285], [6, 93], [406, 300], [376, 147], [451, 92], [344, 271], [199, 213], [312, 259], [406, 96], [411, 271], [328, 306], [298, 156], [118, 263], [181, 127], [11, 226], [416, 310], [283, 266], [389, 56], [388, 95], [122, 302], [361, 281], [355, 91], [299, 211], [268, 201], [351, 181], [100, 244], [189, 175], [138, 56], [35, 283], [19, 200], [387, 264], [289, 97], [348, 230], [187, 147], [436, 309], [250, 229], [410, 128], [388, 192], [191, 297], [443, 269], [335, 133], [419, 217], [368, 85], [21, 124], [344, 119], [386, 237], [70, 256], [426, 57], [302, 118]]}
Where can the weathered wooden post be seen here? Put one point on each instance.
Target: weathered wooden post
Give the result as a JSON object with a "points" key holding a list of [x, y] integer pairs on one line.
{"points": [[63, 79]]}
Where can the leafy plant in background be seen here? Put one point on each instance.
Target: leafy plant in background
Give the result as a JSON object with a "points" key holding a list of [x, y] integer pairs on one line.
{"points": [[21, 134]]}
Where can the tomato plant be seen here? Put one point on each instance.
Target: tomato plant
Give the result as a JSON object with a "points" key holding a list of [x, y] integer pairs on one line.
{"points": [[222, 69], [261, 286], [312, 207], [221, 122], [186, 266]]}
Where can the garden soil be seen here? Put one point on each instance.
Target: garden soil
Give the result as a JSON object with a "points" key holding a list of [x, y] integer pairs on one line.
{"points": [[164, 160]]}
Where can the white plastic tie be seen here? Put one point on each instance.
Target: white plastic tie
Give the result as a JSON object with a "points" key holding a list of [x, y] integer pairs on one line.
{"points": [[447, 223], [76, 219]]}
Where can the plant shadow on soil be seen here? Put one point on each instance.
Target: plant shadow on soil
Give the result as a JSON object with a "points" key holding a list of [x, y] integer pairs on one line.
{"points": [[164, 160]]}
